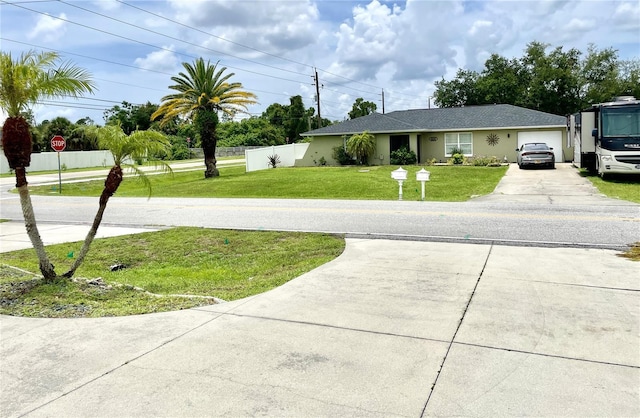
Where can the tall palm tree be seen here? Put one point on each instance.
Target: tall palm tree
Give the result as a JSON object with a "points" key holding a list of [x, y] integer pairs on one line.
{"points": [[202, 92], [125, 150], [32, 77]]}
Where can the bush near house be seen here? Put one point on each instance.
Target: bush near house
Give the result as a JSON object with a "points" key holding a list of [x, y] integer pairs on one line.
{"points": [[403, 156], [341, 156]]}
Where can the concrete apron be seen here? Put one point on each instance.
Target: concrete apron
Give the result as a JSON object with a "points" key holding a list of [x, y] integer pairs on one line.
{"points": [[389, 328], [562, 185]]}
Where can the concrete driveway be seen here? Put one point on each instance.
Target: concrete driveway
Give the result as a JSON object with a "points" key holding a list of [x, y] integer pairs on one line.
{"points": [[562, 185], [389, 328]]}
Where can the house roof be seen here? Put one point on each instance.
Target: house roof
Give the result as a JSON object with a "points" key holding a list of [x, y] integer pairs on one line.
{"points": [[445, 119]]}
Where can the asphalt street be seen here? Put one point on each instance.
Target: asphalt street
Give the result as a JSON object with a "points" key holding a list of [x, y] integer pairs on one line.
{"points": [[529, 207]]}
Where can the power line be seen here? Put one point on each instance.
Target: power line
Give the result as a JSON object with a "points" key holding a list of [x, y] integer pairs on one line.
{"points": [[175, 39], [241, 45]]}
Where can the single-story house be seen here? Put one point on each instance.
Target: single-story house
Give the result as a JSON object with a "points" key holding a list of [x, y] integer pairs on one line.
{"points": [[486, 130]]}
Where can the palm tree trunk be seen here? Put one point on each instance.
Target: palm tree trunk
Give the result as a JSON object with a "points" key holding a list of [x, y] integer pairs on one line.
{"points": [[206, 122], [46, 268], [209, 148], [111, 184], [88, 239]]}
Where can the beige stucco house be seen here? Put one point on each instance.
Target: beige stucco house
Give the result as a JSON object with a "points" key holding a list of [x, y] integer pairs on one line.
{"points": [[487, 130]]}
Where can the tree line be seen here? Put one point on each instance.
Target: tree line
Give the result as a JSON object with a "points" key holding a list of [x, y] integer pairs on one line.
{"points": [[553, 81]]}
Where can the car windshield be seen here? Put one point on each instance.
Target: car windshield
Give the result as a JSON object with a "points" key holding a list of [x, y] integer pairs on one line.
{"points": [[536, 147]]}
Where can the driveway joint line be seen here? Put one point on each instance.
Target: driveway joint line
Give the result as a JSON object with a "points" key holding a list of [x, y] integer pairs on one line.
{"points": [[337, 327], [533, 353], [110, 371], [464, 313]]}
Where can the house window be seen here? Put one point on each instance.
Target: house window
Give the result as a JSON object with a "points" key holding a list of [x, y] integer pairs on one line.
{"points": [[462, 140], [398, 141]]}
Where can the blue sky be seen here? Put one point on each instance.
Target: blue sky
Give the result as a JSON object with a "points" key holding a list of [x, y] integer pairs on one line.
{"points": [[359, 48]]}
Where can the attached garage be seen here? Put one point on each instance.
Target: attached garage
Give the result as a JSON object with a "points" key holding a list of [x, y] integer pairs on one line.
{"points": [[551, 138]]}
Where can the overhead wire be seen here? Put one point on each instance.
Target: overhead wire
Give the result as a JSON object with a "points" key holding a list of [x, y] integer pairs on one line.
{"points": [[192, 44]]}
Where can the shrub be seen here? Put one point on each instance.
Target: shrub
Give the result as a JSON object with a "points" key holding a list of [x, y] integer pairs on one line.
{"points": [[482, 161], [341, 156], [274, 160], [180, 151], [403, 156], [457, 159]]}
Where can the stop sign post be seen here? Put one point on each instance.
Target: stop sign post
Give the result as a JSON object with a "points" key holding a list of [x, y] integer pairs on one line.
{"points": [[58, 144]]}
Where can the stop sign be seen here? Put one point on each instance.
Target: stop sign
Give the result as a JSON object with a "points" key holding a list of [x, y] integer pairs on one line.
{"points": [[58, 143]]}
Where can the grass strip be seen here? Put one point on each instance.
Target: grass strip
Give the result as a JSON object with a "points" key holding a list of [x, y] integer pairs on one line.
{"points": [[225, 264], [447, 183]]}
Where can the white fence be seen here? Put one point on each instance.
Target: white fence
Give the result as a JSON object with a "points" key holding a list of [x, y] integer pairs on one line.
{"points": [[258, 159], [46, 161]]}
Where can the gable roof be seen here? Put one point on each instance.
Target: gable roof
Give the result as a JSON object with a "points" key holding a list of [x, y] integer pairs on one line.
{"points": [[482, 117]]}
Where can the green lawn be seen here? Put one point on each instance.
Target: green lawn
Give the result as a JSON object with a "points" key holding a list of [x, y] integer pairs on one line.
{"points": [[448, 183], [619, 187], [225, 264]]}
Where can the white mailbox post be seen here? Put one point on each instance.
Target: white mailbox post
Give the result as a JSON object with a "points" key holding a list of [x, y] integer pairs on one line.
{"points": [[422, 176], [401, 175]]}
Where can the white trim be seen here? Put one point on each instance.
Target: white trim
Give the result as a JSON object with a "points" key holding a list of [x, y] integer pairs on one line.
{"points": [[422, 130]]}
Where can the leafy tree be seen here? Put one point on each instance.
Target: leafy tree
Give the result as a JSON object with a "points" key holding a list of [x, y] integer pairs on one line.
{"points": [[254, 131], [32, 77], [560, 82], [553, 84], [501, 81], [630, 78], [130, 117], [362, 146], [201, 92], [59, 126], [599, 76], [297, 119], [136, 146], [362, 108], [461, 91], [276, 114]]}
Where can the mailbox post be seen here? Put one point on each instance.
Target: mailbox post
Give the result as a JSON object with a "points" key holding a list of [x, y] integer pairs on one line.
{"points": [[422, 176], [401, 175]]}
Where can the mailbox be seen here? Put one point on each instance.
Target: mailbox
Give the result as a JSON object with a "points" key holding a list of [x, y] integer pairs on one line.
{"points": [[401, 175], [422, 176]]}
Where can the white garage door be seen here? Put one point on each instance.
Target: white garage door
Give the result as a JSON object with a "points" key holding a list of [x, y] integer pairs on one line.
{"points": [[551, 138]]}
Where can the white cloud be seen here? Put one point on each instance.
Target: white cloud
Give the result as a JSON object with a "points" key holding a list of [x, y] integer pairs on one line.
{"points": [[163, 60], [627, 15], [274, 27], [48, 28]]}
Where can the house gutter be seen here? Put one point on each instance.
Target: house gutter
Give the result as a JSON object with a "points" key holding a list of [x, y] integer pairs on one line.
{"points": [[563, 126]]}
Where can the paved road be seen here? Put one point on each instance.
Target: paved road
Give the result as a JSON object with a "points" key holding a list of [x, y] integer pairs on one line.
{"points": [[529, 207]]}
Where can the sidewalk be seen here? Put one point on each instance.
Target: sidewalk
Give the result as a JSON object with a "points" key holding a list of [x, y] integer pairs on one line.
{"points": [[376, 332]]}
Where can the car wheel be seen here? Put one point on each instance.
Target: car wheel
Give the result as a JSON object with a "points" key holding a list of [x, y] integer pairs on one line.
{"points": [[520, 166]]}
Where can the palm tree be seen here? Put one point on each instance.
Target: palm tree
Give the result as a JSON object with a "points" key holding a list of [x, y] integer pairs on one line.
{"points": [[202, 92], [125, 149], [362, 146], [32, 77]]}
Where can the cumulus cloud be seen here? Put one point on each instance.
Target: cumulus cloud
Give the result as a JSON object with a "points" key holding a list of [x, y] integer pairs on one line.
{"points": [[627, 16], [49, 28], [163, 60], [270, 26]]}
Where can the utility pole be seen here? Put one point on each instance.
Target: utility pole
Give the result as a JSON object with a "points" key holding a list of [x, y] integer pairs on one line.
{"points": [[383, 101], [317, 83]]}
